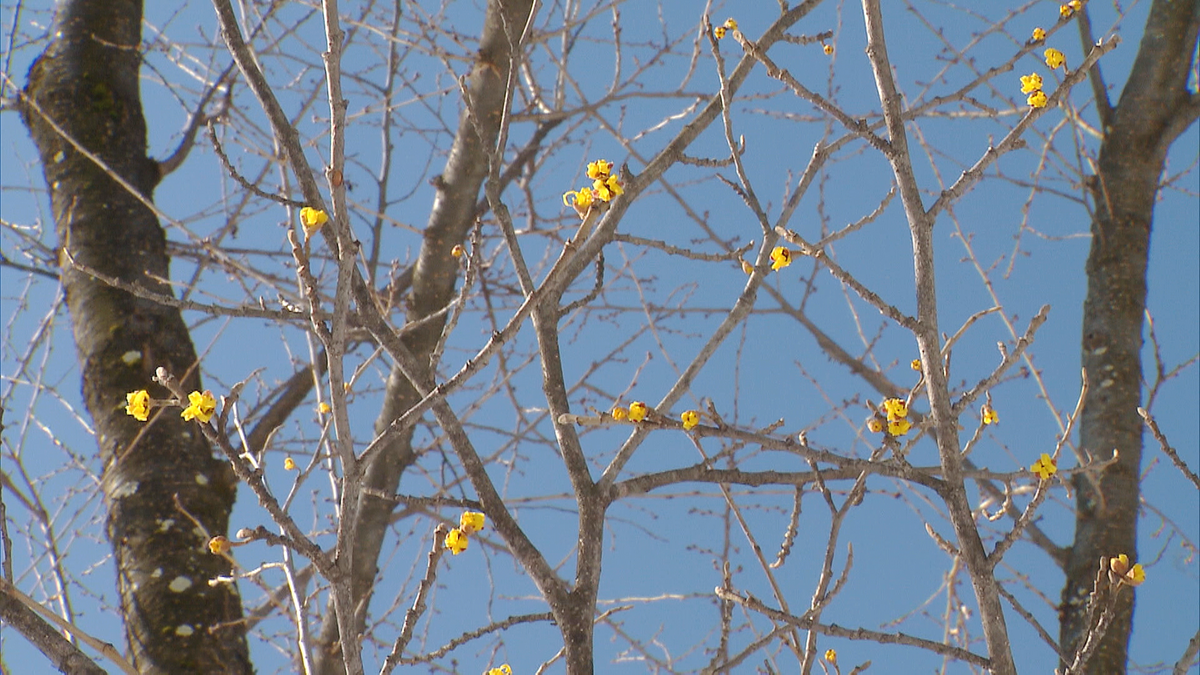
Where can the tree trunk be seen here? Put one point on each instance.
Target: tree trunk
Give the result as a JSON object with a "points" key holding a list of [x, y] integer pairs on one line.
{"points": [[1154, 109], [436, 272], [86, 85]]}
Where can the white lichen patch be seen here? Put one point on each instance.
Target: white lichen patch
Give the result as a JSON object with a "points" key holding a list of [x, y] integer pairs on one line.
{"points": [[131, 357], [1107, 383], [165, 524], [127, 489], [156, 573], [180, 584], [201, 479], [59, 156], [1099, 351], [184, 630]]}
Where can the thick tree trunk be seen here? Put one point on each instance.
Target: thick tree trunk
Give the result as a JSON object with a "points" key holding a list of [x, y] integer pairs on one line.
{"points": [[86, 85], [1154, 109], [434, 277]]}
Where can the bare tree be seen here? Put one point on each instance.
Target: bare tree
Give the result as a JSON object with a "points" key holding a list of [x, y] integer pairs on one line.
{"points": [[407, 214]]}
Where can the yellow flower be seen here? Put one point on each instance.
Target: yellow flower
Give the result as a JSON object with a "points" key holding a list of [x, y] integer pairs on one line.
{"points": [[828, 52], [138, 404], [324, 408], [1044, 467], [915, 364], [580, 201], [619, 413], [606, 188], [875, 425], [637, 411], [599, 169], [1076, 5], [1134, 576], [1036, 100], [201, 406], [780, 258], [895, 408], [690, 419], [898, 427], [1031, 83], [312, 219], [1054, 58], [1038, 35], [502, 670], [989, 415], [719, 31], [747, 267], [471, 522], [1065, 10], [731, 24], [289, 463], [831, 656], [456, 541], [218, 545], [458, 251]]}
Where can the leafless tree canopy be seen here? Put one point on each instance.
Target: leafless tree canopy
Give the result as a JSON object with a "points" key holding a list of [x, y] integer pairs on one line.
{"points": [[752, 340]]}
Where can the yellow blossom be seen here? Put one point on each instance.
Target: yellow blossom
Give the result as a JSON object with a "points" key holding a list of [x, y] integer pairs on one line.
{"points": [[619, 413], [218, 545], [458, 251], [831, 656], [895, 408], [1076, 5], [690, 419], [637, 411], [1054, 58], [605, 189], [898, 427], [138, 404], [471, 522], [1031, 83], [915, 364], [599, 169], [200, 406], [502, 670], [456, 541], [289, 463], [1065, 10], [747, 267], [731, 24], [1134, 576], [1037, 100], [312, 219], [875, 425], [828, 49], [780, 258], [580, 201], [1038, 35], [719, 31], [990, 416], [1044, 467], [324, 408]]}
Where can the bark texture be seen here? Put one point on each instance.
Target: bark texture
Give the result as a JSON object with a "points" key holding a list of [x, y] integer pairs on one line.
{"points": [[433, 281], [86, 84], [1154, 108]]}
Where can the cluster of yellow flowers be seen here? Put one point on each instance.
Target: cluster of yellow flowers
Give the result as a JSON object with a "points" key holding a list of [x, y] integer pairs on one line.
{"points": [[781, 257], [1031, 84], [201, 406], [605, 187], [897, 418], [502, 670], [469, 523], [1065, 11], [990, 416], [1125, 574], [729, 24], [638, 411]]}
